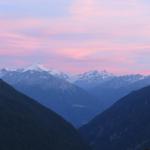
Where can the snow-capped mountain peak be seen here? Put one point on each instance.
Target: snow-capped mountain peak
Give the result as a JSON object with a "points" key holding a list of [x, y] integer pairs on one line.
{"points": [[91, 78], [59, 74], [35, 67], [42, 68], [94, 75]]}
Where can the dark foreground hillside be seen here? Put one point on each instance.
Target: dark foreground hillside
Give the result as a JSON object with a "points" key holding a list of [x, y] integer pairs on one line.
{"points": [[26, 125], [125, 126]]}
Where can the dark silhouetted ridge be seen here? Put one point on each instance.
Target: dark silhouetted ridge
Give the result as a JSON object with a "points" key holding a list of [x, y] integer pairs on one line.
{"points": [[27, 125], [125, 126]]}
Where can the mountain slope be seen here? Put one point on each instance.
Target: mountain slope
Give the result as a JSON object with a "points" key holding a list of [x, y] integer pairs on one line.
{"points": [[118, 87], [27, 125], [126, 125], [70, 101]]}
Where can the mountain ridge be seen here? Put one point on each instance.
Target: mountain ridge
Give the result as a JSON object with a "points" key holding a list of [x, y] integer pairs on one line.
{"points": [[125, 125]]}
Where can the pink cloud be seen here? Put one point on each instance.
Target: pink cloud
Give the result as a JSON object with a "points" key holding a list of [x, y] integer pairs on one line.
{"points": [[118, 31]]}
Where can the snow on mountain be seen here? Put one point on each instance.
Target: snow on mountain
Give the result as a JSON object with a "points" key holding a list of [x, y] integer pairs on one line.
{"points": [[132, 78], [35, 67], [85, 80], [91, 78], [42, 68], [94, 75], [122, 81], [4, 71], [59, 74]]}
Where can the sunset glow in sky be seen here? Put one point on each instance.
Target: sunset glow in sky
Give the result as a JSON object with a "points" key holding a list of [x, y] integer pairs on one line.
{"points": [[76, 35]]}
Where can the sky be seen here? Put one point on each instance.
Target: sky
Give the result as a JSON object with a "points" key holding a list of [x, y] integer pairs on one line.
{"points": [[76, 35]]}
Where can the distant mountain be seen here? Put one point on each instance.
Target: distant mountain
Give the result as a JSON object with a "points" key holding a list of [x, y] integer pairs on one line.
{"points": [[107, 87], [91, 79], [27, 125], [110, 91], [73, 103], [125, 126], [78, 97], [41, 68]]}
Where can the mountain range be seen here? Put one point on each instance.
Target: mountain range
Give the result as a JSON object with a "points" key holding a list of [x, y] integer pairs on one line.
{"points": [[77, 98], [27, 125], [70, 101], [110, 91]]}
